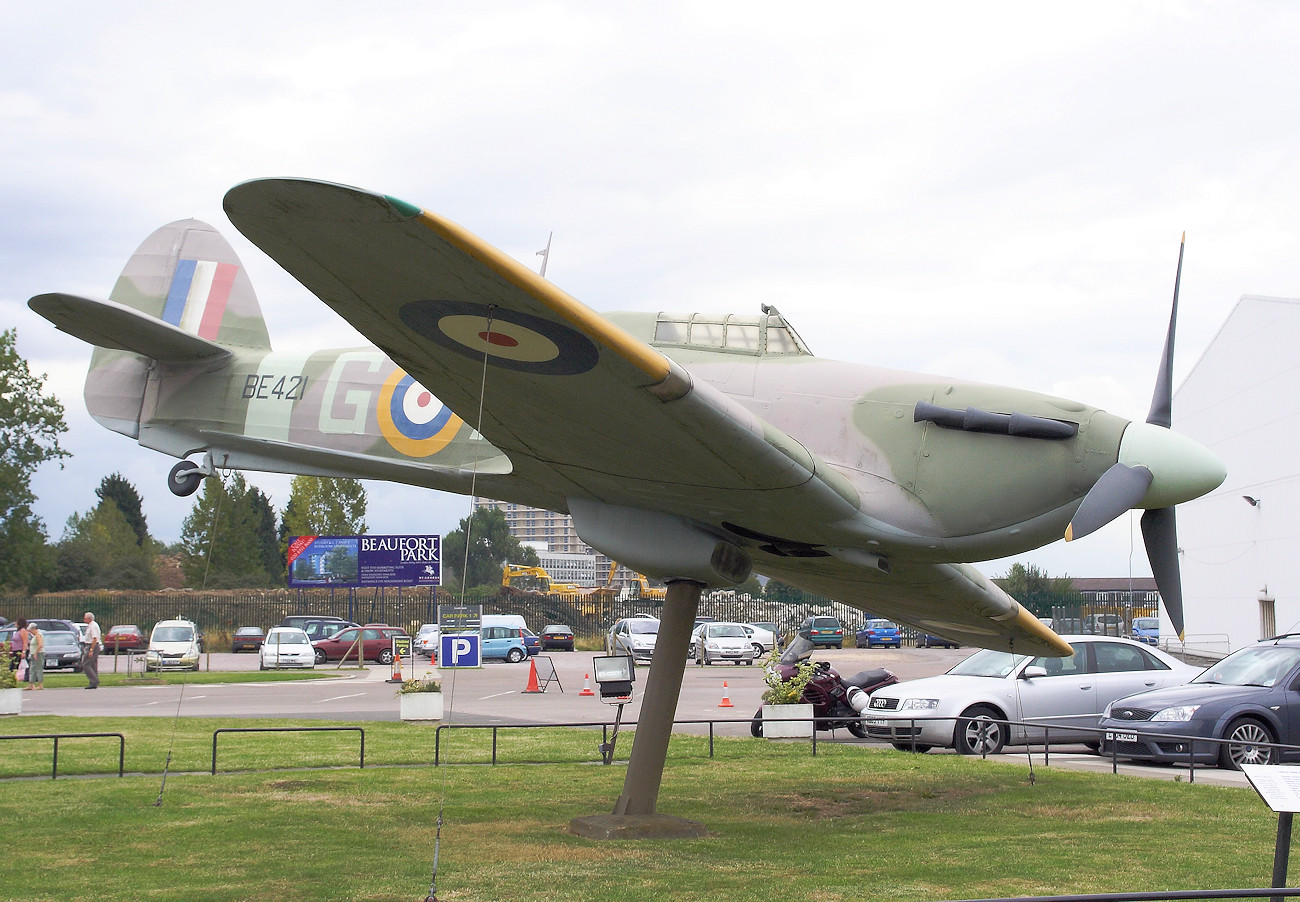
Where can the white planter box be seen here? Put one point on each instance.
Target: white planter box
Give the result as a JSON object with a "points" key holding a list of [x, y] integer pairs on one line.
{"points": [[774, 729], [420, 705], [11, 701]]}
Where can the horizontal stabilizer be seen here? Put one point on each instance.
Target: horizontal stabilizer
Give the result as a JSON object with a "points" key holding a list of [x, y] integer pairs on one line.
{"points": [[108, 324]]}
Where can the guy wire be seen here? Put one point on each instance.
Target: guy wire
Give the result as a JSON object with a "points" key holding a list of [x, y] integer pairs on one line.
{"points": [[464, 583]]}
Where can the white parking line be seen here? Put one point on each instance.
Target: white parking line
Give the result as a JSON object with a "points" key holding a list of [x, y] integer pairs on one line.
{"points": [[337, 697], [484, 698]]}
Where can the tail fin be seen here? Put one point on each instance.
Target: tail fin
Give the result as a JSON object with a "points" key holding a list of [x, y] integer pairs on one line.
{"points": [[182, 297], [187, 275]]}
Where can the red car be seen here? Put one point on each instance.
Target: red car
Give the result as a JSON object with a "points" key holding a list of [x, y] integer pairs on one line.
{"points": [[376, 643], [124, 637]]}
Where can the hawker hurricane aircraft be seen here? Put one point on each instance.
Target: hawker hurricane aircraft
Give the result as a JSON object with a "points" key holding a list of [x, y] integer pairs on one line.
{"points": [[692, 447]]}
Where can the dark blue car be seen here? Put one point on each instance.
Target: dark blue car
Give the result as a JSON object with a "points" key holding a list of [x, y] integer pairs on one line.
{"points": [[1251, 698]]}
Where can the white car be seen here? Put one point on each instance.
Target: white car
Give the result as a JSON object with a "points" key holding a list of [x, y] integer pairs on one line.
{"points": [[427, 639], [722, 641], [286, 646], [968, 707], [763, 640], [173, 645]]}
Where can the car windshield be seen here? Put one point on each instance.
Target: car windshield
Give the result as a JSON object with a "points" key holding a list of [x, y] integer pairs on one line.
{"points": [[297, 637], [53, 638], [730, 630], [1263, 665], [644, 627], [173, 634], [989, 663], [1146, 623]]}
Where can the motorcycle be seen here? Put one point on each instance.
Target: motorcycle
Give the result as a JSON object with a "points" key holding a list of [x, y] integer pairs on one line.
{"points": [[838, 703]]}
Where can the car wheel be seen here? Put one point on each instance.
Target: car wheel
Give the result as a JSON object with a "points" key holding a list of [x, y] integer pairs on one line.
{"points": [[756, 725], [1248, 731], [320, 656], [979, 732], [261, 665], [386, 656], [908, 747], [515, 655]]}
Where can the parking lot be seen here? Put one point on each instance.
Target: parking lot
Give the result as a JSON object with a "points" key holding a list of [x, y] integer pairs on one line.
{"points": [[495, 693]]}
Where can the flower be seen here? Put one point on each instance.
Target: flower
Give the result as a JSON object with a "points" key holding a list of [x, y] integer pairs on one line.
{"points": [[424, 684]]}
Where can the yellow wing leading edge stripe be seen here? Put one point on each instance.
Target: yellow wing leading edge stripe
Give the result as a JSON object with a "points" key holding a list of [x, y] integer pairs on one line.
{"points": [[631, 349]]}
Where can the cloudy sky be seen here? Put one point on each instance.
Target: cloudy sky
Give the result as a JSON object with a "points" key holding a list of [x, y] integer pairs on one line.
{"points": [[991, 191]]}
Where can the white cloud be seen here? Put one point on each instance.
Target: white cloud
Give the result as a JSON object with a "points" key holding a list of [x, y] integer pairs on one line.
{"points": [[993, 190]]}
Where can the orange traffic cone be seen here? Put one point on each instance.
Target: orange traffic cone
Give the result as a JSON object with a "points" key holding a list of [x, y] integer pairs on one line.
{"points": [[726, 702], [397, 669], [586, 685], [532, 677]]}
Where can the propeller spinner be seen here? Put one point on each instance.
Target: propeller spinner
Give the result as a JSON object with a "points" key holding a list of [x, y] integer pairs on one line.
{"points": [[1157, 469]]}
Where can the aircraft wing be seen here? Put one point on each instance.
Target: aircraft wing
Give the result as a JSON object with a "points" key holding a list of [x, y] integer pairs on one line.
{"points": [[581, 408], [952, 600]]}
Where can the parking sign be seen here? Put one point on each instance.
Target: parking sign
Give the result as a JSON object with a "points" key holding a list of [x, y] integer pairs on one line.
{"points": [[459, 650]]}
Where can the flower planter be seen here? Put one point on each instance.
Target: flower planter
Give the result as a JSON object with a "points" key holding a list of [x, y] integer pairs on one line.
{"points": [[11, 701], [773, 728], [420, 705]]}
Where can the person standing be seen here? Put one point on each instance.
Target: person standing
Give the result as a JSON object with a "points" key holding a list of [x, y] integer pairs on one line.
{"points": [[91, 645], [18, 645], [35, 658]]}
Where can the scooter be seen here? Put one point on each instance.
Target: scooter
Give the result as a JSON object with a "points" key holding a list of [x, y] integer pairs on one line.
{"points": [[837, 702]]}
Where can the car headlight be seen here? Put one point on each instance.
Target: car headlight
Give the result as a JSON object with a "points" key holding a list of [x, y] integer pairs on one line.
{"points": [[919, 704], [1176, 713]]}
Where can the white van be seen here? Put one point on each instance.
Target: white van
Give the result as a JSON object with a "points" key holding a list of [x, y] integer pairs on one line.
{"points": [[173, 645]]}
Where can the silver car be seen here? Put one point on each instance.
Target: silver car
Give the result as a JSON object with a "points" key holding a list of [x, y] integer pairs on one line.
{"points": [[633, 636], [722, 641], [968, 707]]}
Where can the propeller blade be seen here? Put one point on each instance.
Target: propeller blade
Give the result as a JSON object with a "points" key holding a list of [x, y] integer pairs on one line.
{"points": [[1162, 399], [1160, 534], [1118, 491]]}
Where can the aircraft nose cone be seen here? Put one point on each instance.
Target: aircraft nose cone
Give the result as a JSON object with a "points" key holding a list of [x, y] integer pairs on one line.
{"points": [[1181, 468]]}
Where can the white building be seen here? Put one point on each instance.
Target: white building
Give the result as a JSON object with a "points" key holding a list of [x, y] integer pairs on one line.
{"points": [[1238, 545]]}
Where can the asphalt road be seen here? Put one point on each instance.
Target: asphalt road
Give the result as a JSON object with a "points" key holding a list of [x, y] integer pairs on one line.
{"points": [[495, 694]]}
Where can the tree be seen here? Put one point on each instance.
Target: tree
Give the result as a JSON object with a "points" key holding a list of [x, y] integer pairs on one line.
{"points": [[321, 506], [781, 593], [100, 550], [225, 539], [1037, 591], [30, 426], [491, 547], [115, 488]]}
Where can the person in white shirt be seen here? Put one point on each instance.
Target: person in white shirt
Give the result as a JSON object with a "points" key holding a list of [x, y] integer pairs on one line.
{"points": [[90, 646]]}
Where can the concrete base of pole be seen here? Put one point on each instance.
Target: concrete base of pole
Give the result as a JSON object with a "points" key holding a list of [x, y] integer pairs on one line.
{"points": [[636, 826]]}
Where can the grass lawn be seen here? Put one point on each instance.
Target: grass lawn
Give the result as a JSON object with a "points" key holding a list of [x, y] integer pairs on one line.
{"points": [[61, 680], [852, 823]]}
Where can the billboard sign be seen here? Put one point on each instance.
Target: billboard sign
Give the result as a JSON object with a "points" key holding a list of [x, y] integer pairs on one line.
{"points": [[349, 561]]}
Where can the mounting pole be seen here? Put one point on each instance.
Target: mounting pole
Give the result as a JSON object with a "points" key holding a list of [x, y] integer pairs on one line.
{"points": [[634, 814]]}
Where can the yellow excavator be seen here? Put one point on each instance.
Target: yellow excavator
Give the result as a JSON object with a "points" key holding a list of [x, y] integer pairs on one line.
{"points": [[511, 572]]}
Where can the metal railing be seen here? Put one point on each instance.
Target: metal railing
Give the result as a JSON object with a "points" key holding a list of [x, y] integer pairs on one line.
{"points": [[215, 733], [54, 770]]}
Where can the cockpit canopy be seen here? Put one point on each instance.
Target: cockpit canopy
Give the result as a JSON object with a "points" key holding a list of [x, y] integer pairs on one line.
{"points": [[765, 335]]}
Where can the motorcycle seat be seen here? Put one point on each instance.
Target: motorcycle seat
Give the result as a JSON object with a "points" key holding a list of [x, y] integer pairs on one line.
{"points": [[866, 679]]}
